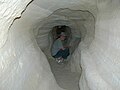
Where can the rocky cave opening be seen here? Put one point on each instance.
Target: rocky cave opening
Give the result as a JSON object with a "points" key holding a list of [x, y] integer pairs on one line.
{"points": [[25, 59], [79, 25]]}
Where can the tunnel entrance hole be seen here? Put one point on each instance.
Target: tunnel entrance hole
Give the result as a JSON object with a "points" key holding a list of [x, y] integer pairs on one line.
{"points": [[80, 22], [57, 30], [70, 41], [81, 26]]}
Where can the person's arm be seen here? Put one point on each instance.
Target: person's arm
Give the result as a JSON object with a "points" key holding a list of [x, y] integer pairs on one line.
{"points": [[67, 46], [62, 48]]}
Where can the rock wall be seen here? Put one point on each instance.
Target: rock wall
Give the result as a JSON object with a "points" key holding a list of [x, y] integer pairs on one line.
{"points": [[100, 63], [23, 65]]}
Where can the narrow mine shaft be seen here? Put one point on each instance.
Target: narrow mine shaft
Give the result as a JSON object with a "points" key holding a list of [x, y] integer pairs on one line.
{"points": [[29, 29]]}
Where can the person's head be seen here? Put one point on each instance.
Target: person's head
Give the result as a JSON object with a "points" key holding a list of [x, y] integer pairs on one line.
{"points": [[62, 36]]}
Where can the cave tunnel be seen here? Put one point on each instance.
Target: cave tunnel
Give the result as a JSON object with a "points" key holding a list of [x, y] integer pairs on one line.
{"points": [[29, 28], [79, 26]]}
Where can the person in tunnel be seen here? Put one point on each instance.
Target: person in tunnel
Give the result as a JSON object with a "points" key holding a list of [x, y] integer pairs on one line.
{"points": [[59, 51]]}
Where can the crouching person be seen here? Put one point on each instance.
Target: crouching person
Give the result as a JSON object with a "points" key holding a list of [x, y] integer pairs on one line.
{"points": [[58, 50]]}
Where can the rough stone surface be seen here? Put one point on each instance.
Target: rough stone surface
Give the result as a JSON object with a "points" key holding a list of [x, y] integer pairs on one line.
{"points": [[23, 65], [9, 10]]}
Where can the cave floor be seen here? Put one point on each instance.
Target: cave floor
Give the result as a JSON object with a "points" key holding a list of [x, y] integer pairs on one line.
{"points": [[64, 77]]}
